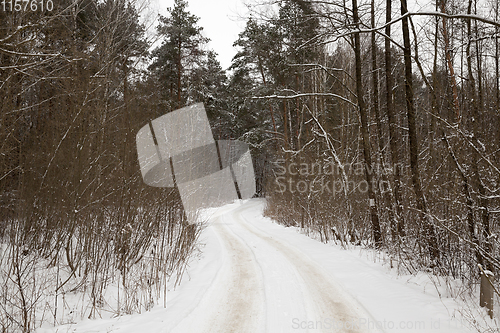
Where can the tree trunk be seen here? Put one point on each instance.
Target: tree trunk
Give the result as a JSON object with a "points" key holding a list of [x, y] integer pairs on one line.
{"points": [[448, 51], [385, 193], [430, 231], [393, 128], [486, 300], [179, 74], [365, 131], [497, 58]]}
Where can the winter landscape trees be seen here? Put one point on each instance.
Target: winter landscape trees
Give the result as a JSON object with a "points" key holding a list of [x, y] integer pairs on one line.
{"points": [[373, 123], [76, 217], [423, 121]]}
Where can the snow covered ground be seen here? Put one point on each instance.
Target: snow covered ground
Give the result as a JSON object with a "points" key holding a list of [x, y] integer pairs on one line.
{"points": [[254, 275]]}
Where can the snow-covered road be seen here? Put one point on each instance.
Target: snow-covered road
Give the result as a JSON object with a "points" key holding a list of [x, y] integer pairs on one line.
{"points": [[265, 284], [256, 276]]}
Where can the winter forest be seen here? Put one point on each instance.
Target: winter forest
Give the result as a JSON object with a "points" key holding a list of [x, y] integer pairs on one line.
{"points": [[372, 123]]}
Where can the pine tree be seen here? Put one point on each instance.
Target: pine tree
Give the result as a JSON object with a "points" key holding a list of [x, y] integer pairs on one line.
{"points": [[180, 54]]}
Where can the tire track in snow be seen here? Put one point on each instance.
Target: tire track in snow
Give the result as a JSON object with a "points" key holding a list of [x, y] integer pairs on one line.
{"points": [[331, 302], [241, 304], [264, 284]]}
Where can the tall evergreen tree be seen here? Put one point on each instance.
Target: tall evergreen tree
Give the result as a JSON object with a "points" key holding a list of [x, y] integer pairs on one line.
{"points": [[180, 54]]}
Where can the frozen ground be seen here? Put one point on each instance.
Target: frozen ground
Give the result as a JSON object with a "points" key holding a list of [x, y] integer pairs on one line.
{"points": [[257, 276]]}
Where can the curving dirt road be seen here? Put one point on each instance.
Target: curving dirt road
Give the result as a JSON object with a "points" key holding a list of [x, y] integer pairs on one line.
{"points": [[265, 284]]}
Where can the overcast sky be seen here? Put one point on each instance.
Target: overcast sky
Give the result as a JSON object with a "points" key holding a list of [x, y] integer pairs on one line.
{"points": [[221, 22]]}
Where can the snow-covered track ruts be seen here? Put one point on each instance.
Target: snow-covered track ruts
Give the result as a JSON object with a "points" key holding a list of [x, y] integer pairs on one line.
{"points": [[265, 284], [329, 301], [239, 304]]}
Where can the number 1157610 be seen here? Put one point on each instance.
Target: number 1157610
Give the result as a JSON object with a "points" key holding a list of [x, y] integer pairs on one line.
{"points": [[26, 5]]}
